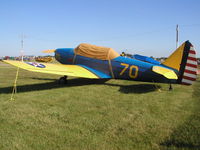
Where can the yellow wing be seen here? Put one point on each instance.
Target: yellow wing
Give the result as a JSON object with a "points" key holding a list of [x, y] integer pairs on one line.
{"points": [[59, 69]]}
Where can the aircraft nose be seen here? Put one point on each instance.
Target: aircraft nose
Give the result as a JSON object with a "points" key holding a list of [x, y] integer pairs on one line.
{"points": [[64, 55]]}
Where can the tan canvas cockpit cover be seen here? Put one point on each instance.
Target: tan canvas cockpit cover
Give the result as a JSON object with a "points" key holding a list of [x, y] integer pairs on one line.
{"points": [[96, 52]]}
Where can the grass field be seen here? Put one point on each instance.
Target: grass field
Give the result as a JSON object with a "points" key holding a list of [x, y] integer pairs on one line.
{"points": [[96, 115]]}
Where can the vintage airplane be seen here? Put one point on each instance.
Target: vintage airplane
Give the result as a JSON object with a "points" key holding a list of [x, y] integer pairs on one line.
{"points": [[90, 61]]}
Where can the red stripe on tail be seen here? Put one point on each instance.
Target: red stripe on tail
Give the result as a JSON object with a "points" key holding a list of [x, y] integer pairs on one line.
{"points": [[191, 65], [190, 72], [189, 78], [192, 52], [192, 58]]}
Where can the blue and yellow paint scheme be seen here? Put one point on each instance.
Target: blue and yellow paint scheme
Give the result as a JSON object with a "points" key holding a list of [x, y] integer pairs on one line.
{"points": [[119, 67], [122, 67]]}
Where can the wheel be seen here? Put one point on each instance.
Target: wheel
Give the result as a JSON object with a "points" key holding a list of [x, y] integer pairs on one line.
{"points": [[63, 80]]}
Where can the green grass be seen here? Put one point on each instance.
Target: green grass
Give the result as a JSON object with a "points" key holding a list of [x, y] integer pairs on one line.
{"points": [[96, 115]]}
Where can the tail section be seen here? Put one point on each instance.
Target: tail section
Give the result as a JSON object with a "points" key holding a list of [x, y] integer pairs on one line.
{"points": [[185, 62]]}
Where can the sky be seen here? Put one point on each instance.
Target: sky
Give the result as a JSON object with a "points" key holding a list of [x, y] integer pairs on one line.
{"points": [[146, 27]]}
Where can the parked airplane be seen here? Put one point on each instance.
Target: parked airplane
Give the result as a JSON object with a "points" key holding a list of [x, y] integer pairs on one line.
{"points": [[90, 61]]}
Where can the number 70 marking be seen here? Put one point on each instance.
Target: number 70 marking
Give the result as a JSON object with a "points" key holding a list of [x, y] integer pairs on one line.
{"points": [[131, 75]]}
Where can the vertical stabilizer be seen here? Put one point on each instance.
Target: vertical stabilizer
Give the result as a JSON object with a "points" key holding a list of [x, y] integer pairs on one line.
{"points": [[185, 62]]}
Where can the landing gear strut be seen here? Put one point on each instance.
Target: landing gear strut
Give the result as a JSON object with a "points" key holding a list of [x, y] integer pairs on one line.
{"points": [[63, 80], [170, 86]]}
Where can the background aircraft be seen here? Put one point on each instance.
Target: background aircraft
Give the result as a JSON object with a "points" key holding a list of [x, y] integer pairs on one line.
{"points": [[90, 61]]}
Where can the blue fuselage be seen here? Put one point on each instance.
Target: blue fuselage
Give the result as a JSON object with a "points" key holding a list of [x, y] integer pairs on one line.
{"points": [[118, 68]]}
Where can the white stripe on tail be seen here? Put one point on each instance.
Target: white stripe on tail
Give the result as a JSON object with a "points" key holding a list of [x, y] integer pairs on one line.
{"points": [[190, 72]]}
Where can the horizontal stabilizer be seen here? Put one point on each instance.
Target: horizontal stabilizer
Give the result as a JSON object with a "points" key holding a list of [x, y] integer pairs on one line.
{"points": [[169, 74]]}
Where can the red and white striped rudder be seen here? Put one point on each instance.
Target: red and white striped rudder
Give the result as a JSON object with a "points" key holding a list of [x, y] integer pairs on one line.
{"points": [[190, 70]]}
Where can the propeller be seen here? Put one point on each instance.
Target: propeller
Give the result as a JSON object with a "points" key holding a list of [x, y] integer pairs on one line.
{"points": [[49, 51]]}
